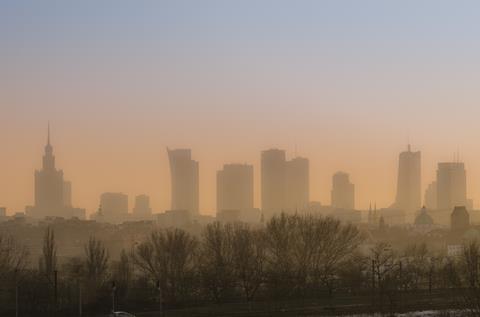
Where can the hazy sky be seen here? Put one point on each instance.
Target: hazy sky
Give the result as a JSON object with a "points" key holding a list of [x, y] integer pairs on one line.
{"points": [[345, 82]]}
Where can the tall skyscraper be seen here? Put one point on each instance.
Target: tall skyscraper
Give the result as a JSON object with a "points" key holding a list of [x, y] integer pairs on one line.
{"points": [[235, 187], [273, 180], [184, 180], [285, 184], [343, 192], [451, 185], [297, 184], [52, 193], [409, 181]]}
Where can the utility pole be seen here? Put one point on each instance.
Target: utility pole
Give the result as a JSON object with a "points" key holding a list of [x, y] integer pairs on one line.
{"points": [[55, 294], [160, 298], [79, 298], [114, 287], [373, 284], [16, 293]]}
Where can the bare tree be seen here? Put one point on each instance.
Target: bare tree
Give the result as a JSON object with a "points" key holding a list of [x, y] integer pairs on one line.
{"points": [[13, 258], [96, 263], [248, 259], [168, 257], [48, 261], [337, 242], [280, 240], [217, 259]]}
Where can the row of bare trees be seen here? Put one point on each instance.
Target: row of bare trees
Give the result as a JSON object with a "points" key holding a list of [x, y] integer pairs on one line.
{"points": [[291, 256]]}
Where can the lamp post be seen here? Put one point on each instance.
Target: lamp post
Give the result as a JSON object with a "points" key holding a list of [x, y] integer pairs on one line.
{"points": [[114, 288], [160, 298]]}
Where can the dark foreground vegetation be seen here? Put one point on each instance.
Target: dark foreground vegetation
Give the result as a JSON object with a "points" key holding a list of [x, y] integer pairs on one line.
{"points": [[292, 265]]}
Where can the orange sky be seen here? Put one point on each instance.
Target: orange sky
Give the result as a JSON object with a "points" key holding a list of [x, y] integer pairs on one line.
{"points": [[347, 85]]}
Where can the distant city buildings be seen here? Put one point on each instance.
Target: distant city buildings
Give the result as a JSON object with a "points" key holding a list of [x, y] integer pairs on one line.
{"points": [[52, 193], [184, 181], [408, 196], [431, 196], [113, 208], [142, 210], [273, 180], [343, 192], [459, 219], [285, 184], [297, 184], [423, 218], [451, 185], [235, 187]]}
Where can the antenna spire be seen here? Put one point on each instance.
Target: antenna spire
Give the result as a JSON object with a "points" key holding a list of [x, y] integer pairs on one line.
{"points": [[48, 133]]}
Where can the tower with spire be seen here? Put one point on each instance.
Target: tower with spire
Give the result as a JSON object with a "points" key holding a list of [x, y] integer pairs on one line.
{"points": [[52, 193]]}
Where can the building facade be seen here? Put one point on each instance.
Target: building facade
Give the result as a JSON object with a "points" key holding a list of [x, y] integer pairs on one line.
{"points": [[184, 180], [343, 192]]}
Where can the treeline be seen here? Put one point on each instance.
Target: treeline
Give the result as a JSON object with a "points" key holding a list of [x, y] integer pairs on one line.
{"points": [[290, 257]]}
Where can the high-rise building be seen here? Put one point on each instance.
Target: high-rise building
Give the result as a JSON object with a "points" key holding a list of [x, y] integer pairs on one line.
{"points": [[409, 181], [235, 187], [113, 207], [142, 209], [297, 184], [285, 184], [431, 196], [273, 180], [343, 192], [52, 193], [184, 180], [451, 185]]}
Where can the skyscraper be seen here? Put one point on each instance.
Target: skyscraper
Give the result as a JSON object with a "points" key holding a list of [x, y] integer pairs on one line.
{"points": [[409, 181], [297, 184], [273, 180], [285, 184], [451, 185], [235, 187], [52, 193], [184, 180], [343, 192]]}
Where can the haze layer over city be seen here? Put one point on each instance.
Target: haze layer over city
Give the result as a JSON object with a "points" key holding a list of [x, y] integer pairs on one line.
{"points": [[346, 85]]}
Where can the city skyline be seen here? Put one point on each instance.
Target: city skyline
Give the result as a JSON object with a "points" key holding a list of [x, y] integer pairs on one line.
{"points": [[347, 84], [184, 156]]}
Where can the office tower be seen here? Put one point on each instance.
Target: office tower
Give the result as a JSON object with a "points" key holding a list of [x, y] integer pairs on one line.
{"points": [[459, 219], [431, 196], [52, 193], [235, 187], [451, 185], [297, 184], [285, 184], [343, 192], [409, 181], [184, 180], [273, 180], [114, 207], [3, 212], [142, 207]]}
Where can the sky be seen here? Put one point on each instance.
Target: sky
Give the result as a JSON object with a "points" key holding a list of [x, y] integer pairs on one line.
{"points": [[346, 84]]}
